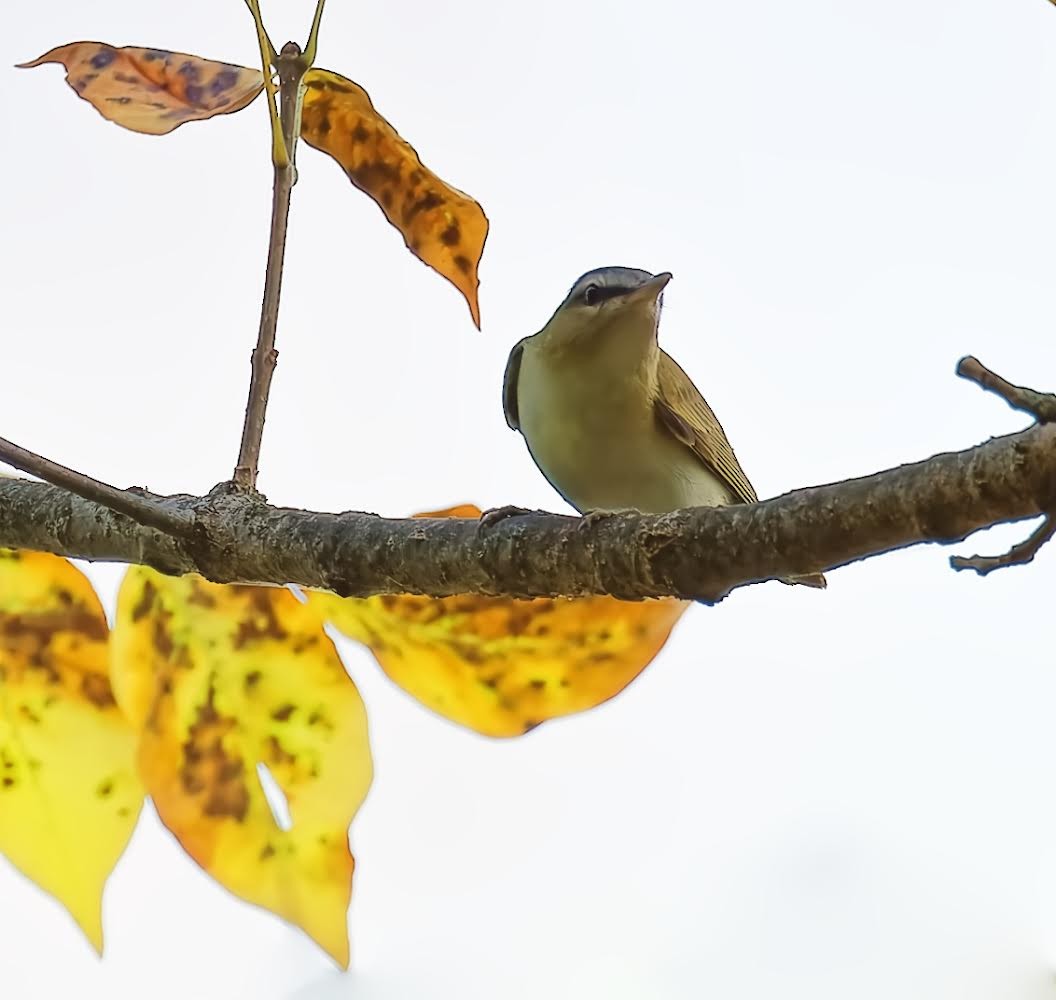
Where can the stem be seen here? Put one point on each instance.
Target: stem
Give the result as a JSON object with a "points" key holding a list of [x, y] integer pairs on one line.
{"points": [[291, 68], [312, 45], [142, 509], [269, 58]]}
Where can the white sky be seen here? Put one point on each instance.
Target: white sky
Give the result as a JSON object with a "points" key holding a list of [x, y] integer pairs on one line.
{"points": [[807, 795]]}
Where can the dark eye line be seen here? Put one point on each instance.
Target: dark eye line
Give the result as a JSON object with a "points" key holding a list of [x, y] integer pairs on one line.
{"points": [[593, 294]]}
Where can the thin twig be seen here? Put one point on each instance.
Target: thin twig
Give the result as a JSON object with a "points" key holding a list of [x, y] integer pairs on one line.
{"points": [[142, 509], [1040, 405], [291, 68], [1018, 555]]}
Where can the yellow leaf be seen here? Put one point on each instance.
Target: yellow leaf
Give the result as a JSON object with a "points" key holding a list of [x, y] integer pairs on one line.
{"points": [[69, 794], [443, 227], [501, 666], [218, 679], [152, 90]]}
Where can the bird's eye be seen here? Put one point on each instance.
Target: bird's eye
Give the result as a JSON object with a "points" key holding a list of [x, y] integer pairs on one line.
{"points": [[591, 295]]}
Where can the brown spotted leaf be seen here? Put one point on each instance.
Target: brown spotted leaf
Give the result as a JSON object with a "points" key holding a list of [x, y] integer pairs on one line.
{"points": [[443, 227], [501, 666], [69, 793], [153, 90], [229, 687]]}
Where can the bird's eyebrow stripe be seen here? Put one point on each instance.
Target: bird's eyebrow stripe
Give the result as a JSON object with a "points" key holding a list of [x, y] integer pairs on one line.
{"points": [[604, 292]]}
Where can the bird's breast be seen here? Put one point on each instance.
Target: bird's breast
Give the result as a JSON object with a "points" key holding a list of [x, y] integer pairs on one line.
{"points": [[594, 436]]}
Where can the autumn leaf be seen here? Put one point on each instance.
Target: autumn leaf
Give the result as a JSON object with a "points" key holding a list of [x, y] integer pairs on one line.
{"points": [[501, 666], [219, 680], [69, 794], [155, 91], [152, 90], [443, 227]]}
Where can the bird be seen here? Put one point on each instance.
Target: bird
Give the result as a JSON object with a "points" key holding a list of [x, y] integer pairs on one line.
{"points": [[609, 417]]}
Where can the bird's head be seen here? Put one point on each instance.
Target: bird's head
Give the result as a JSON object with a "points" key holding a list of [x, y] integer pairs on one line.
{"points": [[605, 303]]}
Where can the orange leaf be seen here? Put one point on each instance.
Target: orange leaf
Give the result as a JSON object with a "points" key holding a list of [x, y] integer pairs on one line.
{"points": [[69, 794], [501, 666], [443, 227], [152, 90], [219, 681]]}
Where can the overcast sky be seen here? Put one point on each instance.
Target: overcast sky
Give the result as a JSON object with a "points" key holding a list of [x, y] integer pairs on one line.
{"points": [[818, 795]]}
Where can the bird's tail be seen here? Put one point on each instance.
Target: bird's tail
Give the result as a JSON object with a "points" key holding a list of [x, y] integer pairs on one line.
{"points": [[816, 580]]}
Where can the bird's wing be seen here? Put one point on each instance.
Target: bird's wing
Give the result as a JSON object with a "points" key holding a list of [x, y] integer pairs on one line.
{"points": [[509, 385], [683, 412]]}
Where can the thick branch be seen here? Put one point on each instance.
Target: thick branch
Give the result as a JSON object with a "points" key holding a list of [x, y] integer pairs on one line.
{"points": [[700, 553]]}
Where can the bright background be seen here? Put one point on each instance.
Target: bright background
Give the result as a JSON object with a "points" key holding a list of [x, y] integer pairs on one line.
{"points": [[848, 794]]}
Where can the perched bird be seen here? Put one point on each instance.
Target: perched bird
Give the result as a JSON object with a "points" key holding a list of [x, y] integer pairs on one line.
{"points": [[610, 419]]}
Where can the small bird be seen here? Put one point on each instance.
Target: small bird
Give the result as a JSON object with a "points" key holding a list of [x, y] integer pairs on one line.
{"points": [[609, 418]]}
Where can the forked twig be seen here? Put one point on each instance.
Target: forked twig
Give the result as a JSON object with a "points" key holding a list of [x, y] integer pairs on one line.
{"points": [[1041, 406], [1018, 555]]}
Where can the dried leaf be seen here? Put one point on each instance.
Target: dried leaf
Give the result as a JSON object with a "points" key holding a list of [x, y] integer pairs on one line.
{"points": [[218, 679], [443, 227], [152, 90], [69, 794], [501, 666]]}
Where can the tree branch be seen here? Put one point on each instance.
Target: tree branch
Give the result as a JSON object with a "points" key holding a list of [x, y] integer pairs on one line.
{"points": [[1018, 555], [701, 553], [136, 504], [291, 67], [1040, 405]]}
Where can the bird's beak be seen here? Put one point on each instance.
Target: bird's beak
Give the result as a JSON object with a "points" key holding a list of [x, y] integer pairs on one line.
{"points": [[650, 291]]}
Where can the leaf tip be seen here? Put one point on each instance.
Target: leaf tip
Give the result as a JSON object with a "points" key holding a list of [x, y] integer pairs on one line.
{"points": [[474, 299], [51, 56], [96, 943], [341, 955], [90, 921], [332, 938]]}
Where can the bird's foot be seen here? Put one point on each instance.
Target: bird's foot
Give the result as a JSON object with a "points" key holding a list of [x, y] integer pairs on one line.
{"points": [[496, 515]]}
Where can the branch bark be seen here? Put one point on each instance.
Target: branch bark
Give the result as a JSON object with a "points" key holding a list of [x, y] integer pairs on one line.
{"points": [[700, 553]]}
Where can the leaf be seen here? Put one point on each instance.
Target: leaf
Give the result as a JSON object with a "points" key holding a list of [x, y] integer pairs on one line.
{"points": [[69, 794], [443, 227], [152, 90], [217, 679], [501, 666]]}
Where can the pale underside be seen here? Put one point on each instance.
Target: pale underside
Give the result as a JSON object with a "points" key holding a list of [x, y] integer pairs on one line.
{"points": [[614, 442]]}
